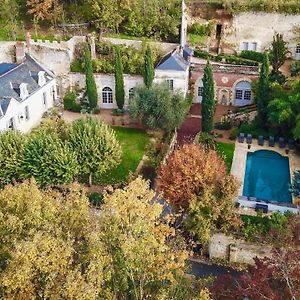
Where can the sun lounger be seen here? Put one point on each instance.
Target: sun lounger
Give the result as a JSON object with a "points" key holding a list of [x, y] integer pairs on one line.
{"points": [[249, 139], [271, 141], [291, 144], [241, 137], [281, 142], [260, 140]]}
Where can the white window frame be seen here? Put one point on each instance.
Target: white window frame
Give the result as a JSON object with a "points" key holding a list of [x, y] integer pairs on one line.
{"points": [[107, 95], [130, 93], [27, 115], [200, 91], [45, 99]]}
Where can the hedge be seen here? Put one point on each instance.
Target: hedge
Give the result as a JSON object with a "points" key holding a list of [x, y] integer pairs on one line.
{"points": [[252, 55], [70, 102]]}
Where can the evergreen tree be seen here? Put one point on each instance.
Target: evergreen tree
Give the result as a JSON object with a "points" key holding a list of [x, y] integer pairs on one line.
{"points": [[148, 68], [91, 88], [119, 79], [278, 52], [262, 94], [208, 99]]}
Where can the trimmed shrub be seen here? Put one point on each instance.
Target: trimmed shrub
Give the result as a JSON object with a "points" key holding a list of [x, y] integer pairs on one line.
{"points": [[70, 102], [206, 140], [252, 55], [224, 125], [234, 134]]}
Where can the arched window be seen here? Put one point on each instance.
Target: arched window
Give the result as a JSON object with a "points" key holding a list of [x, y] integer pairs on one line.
{"points": [[200, 90], [243, 91], [107, 95], [131, 93]]}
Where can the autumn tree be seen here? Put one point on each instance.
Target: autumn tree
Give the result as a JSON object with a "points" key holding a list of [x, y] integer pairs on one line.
{"points": [[146, 258], [91, 88], [11, 156], [119, 79], [194, 179], [208, 99], [148, 67], [53, 241], [96, 147], [157, 107]]}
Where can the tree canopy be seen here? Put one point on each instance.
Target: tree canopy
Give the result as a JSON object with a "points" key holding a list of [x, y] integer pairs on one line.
{"points": [[194, 179], [158, 107]]}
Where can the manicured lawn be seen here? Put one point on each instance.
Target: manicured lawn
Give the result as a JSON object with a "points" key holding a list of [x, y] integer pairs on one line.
{"points": [[227, 150], [133, 142]]}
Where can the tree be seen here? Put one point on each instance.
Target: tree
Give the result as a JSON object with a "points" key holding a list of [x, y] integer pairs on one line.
{"points": [[96, 146], [148, 68], [262, 93], [146, 258], [11, 155], [53, 240], [9, 17], [194, 180], [119, 79], [208, 102], [48, 159], [157, 107], [91, 87], [278, 52]]}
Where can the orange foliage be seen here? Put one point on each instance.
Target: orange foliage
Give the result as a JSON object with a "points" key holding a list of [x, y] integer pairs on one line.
{"points": [[190, 171]]}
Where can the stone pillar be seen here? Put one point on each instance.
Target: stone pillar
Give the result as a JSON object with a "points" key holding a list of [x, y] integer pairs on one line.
{"points": [[28, 38], [93, 47], [20, 52], [232, 253]]}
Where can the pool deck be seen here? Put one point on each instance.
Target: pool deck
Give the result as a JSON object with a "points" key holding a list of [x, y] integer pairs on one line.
{"points": [[240, 158]]}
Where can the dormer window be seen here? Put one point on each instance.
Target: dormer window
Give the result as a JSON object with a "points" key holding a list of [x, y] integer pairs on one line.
{"points": [[23, 91], [41, 78]]}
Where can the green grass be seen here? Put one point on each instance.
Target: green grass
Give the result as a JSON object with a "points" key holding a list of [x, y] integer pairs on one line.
{"points": [[227, 150], [196, 39], [133, 142]]}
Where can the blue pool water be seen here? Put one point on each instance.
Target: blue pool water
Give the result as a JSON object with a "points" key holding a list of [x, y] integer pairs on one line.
{"points": [[267, 176]]}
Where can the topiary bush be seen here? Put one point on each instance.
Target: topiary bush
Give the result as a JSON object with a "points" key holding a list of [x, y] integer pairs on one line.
{"points": [[96, 199]]}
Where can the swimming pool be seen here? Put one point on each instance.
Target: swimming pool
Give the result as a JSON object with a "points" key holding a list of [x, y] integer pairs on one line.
{"points": [[267, 176]]}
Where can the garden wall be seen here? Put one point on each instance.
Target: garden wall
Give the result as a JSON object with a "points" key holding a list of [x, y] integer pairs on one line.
{"points": [[235, 250]]}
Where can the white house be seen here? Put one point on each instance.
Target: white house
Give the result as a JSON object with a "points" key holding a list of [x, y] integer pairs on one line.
{"points": [[27, 91]]}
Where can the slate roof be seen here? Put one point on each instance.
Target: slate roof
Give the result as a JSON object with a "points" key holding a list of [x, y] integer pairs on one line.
{"points": [[173, 61], [12, 75], [22, 73], [5, 67]]}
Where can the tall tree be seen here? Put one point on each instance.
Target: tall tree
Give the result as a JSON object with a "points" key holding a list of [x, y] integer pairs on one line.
{"points": [[53, 240], [48, 159], [157, 107], [96, 146], [278, 52], [91, 87], [262, 93], [208, 99], [119, 79], [148, 68], [194, 179], [11, 156]]}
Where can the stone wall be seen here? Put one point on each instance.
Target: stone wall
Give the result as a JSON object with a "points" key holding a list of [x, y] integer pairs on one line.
{"points": [[164, 47], [7, 52], [235, 250], [260, 28]]}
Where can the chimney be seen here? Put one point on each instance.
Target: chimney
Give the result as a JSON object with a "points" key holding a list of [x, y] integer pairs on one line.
{"points": [[28, 38], [20, 52]]}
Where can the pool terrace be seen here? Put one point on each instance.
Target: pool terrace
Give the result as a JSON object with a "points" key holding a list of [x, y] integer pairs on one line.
{"points": [[239, 167]]}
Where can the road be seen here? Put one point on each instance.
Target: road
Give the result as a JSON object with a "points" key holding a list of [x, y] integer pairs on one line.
{"points": [[205, 269]]}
